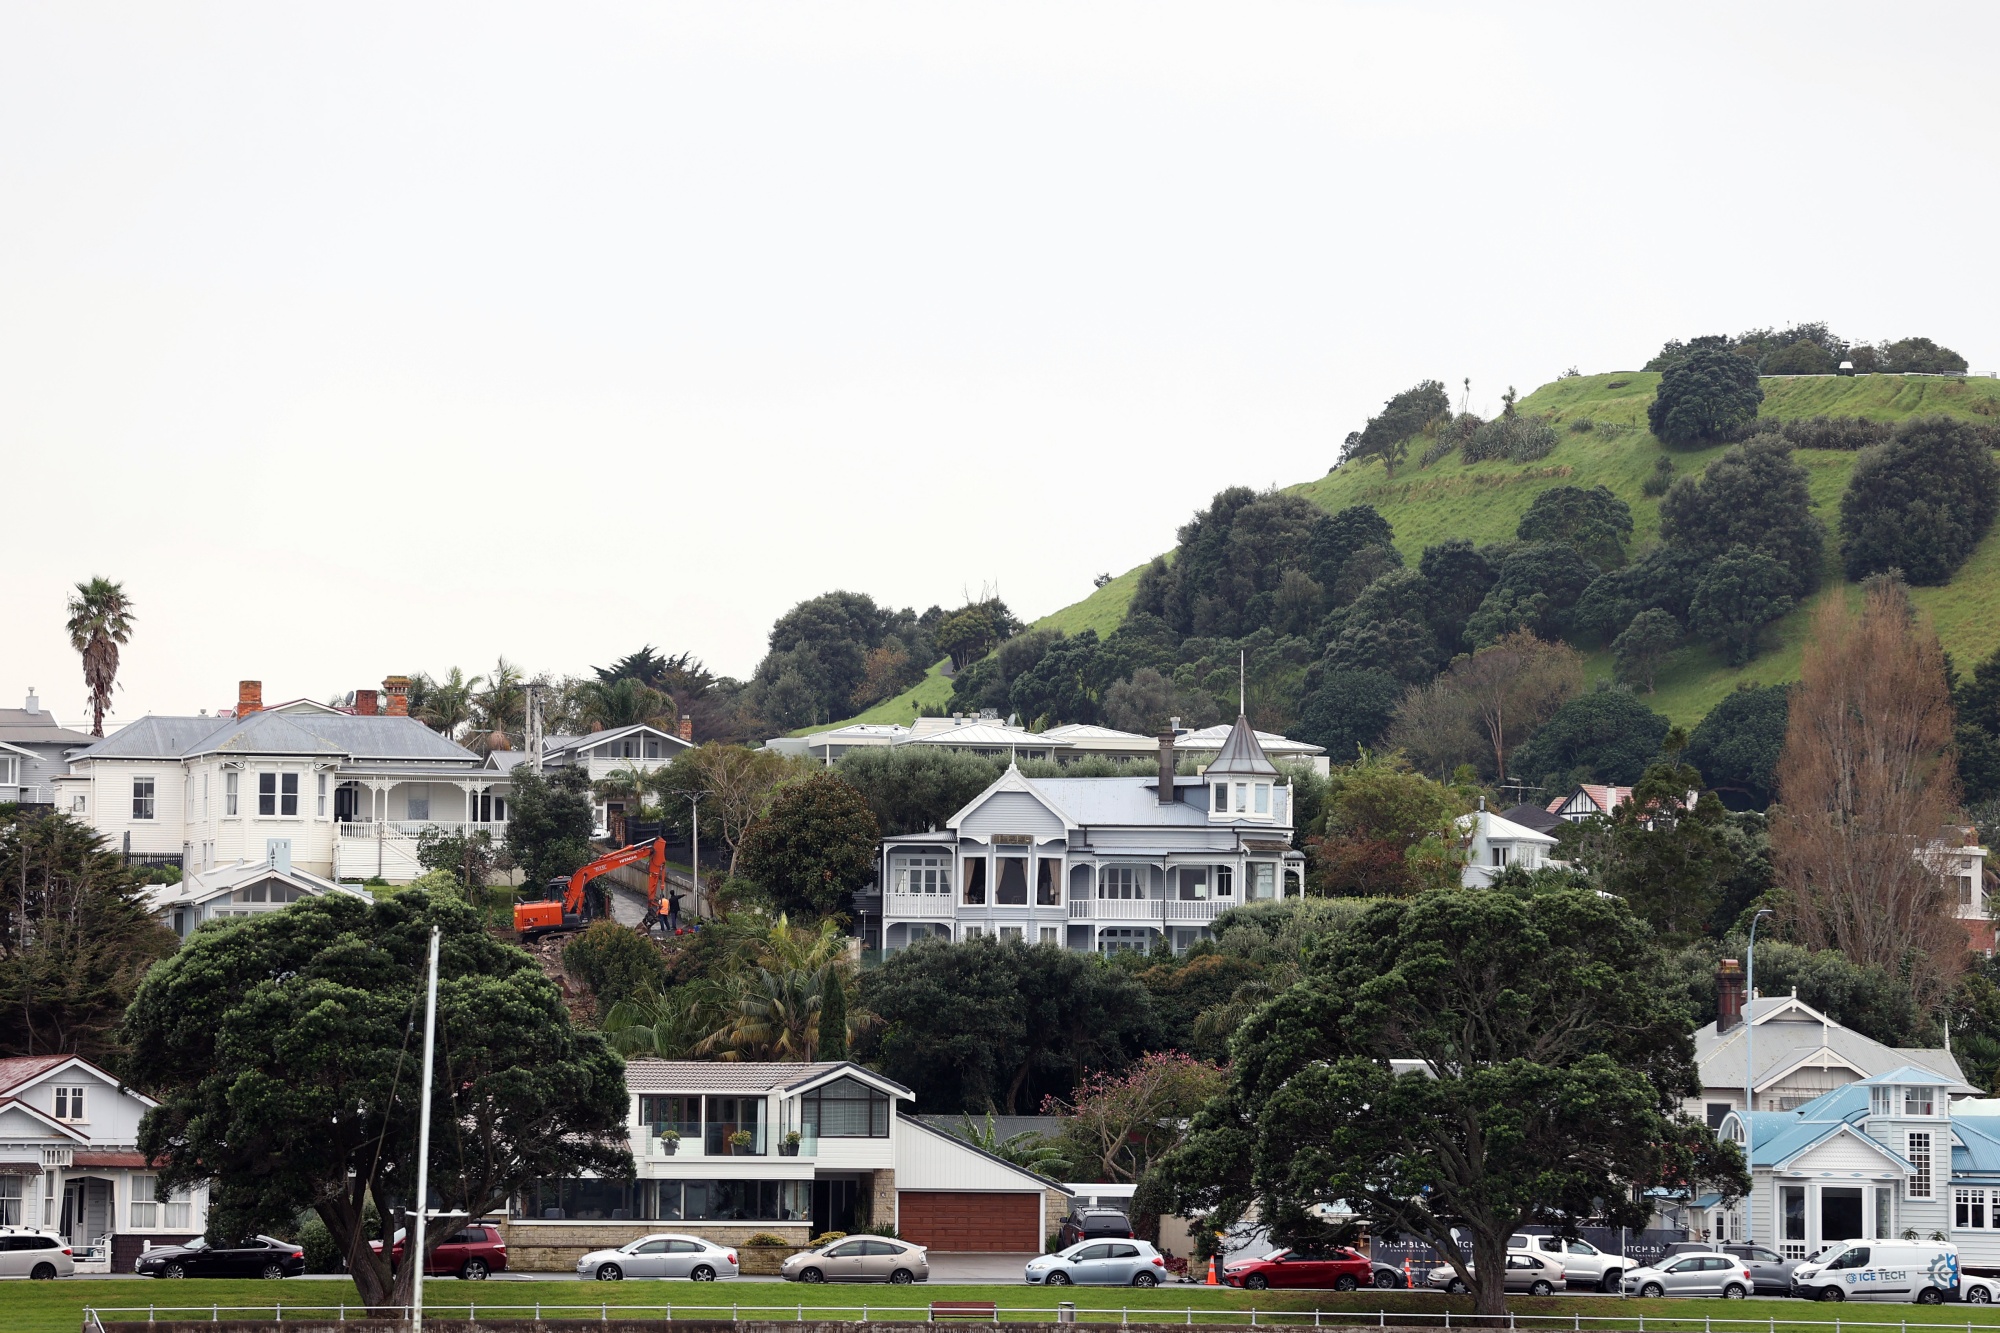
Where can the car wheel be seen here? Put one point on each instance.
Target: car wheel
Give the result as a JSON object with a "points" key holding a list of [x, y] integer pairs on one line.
{"points": [[1145, 1280], [902, 1277], [1455, 1287], [173, 1270], [1832, 1294], [1652, 1291], [702, 1273], [271, 1271], [1610, 1283], [1345, 1282], [811, 1275], [610, 1273], [1977, 1294], [1930, 1296], [1388, 1281], [1542, 1287], [1733, 1292], [1256, 1282], [1058, 1278], [44, 1273], [474, 1270]]}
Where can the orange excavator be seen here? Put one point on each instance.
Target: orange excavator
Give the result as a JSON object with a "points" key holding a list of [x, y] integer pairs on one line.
{"points": [[565, 907]]}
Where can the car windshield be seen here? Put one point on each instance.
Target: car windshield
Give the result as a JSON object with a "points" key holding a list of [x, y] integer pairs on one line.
{"points": [[198, 1243]]}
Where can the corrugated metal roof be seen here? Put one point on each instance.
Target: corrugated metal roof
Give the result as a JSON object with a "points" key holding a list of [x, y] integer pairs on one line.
{"points": [[1211, 738], [21, 727], [1089, 801], [1783, 1044], [264, 733], [380, 737], [155, 736]]}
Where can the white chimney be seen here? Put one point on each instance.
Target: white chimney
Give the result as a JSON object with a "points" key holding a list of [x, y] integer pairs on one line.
{"points": [[34, 704]]}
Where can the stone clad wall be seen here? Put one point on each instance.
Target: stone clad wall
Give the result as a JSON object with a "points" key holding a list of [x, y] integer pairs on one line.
{"points": [[550, 1247]]}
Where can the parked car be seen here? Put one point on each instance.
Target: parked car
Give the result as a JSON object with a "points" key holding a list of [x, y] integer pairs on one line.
{"points": [[1536, 1274], [259, 1256], [1093, 1224], [1769, 1270], [1926, 1272], [1583, 1263], [861, 1259], [1978, 1290], [27, 1252], [1100, 1263], [1341, 1269], [470, 1253], [1387, 1276], [690, 1257], [1709, 1273]]}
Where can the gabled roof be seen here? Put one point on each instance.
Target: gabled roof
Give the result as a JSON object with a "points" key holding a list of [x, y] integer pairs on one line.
{"points": [[1791, 1034], [749, 1076], [965, 1146], [1494, 828], [556, 745], [1605, 798], [44, 1119], [314, 732], [1780, 1137], [1241, 755], [19, 1069], [155, 736], [1013, 781], [201, 885], [1978, 1148], [38, 728], [264, 733], [1910, 1074]]}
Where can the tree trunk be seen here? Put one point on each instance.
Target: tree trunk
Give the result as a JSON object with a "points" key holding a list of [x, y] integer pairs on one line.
{"points": [[1489, 1274]]}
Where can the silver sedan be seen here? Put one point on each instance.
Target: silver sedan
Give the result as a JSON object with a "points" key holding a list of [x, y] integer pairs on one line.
{"points": [[690, 1257], [1109, 1263]]}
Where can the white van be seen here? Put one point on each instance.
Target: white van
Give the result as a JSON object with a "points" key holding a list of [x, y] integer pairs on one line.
{"points": [[1882, 1270]]}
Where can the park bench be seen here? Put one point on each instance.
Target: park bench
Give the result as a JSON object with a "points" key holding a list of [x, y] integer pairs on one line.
{"points": [[985, 1311]]}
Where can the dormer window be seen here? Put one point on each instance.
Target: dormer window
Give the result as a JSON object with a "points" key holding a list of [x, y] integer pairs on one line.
{"points": [[1221, 794], [1881, 1101], [1918, 1101], [1262, 801]]}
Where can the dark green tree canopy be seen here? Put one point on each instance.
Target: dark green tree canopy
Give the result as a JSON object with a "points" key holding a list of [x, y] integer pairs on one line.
{"points": [[1553, 1063], [1062, 686], [1388, 434], [549, 822], [1755, 495], [1638, 651], [1977, 734], [915, 788], [1606, 735], [1338, 538], [1665, 852], [1458, 576], [1349, 712], [1708, 397], [1593, 521], [1740, 593], [1736, 746], [1920, 502], [813, 848], [1539, 584], [285, 1052], [1663, 579], [990, 1025]]}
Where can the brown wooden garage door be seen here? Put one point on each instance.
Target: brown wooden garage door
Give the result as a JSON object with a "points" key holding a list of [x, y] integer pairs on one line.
{"points": [[940, 1220]]}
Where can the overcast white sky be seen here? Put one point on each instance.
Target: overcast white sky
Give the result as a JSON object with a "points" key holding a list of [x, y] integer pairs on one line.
{"points": [[361, 339]]}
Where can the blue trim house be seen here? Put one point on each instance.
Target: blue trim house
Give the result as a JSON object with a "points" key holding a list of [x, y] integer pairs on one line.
{"points": [[1885, 1157]]}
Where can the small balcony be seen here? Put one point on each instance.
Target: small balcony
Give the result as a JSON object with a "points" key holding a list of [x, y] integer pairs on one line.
{"points": [[716, 1144], [1181, 911], [918, 907], [372, 828]]}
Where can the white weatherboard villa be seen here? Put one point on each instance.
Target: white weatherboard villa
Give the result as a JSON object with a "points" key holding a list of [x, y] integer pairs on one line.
{"points": [[1099, 864]]}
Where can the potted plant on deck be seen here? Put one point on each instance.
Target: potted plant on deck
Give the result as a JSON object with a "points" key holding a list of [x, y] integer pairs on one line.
{"points": [[789, 1146], [739, 1142], [670, 1141]]}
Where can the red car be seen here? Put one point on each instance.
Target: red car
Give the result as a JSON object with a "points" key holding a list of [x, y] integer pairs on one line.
{"points": [[471, 1253], [1341, 1269]]}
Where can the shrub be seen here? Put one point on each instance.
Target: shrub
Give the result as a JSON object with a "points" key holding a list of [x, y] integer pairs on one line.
{"points": [[1660, 480], [1518, 439], [1710, 397], [1755, 495], [766, 1238], [828, 1238], [1582, 426], [322, 1253], [1920, 502], [614, 961], [1835, 432]]}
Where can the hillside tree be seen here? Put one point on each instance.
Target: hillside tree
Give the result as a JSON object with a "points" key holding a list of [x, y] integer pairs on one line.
{"points": [[1736, 747], [1740, 593], [1591, 521], [1920, 502], [813, 848], [1388, 434], [1708, 397], [1643, 645], [1755, 496], [1602, 735]]}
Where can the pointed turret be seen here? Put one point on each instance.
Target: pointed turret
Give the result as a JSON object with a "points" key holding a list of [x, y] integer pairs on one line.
{"points": [[1241, 755]]}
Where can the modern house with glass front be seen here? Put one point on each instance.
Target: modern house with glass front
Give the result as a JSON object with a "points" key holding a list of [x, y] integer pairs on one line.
{"points": [[728, 1150], [1097, 864]]}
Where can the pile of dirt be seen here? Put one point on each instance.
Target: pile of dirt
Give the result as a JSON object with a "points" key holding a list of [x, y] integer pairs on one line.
{"points": [[577, 997]]}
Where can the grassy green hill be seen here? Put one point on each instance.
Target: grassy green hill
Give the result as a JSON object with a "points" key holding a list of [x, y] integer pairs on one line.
{"points": [[1485, 501]]}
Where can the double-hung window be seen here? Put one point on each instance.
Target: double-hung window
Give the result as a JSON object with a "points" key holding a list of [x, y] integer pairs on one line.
{"points": [[1225, 881], [1262, 805], [1920, 1158], [69, 1103], [1969, 1209], [320, 810], [925, 874], [1048, 882], [1221, 793], [1120, 882], [10, 1200], [230, 783], [142, 798], [278, 794]]}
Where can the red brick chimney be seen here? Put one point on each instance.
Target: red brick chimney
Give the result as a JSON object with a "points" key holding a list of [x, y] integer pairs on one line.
{"points": [[365, 703], [1728, 995], [249, 697], [397, 688], [687, 730]]}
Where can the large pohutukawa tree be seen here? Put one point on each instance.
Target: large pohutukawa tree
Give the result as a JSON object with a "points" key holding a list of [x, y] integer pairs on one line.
{"points": [[1549, 1067], [286, 1053]]}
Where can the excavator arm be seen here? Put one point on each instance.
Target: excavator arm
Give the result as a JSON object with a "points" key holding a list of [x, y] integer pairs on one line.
{"points": [[567, 912]]}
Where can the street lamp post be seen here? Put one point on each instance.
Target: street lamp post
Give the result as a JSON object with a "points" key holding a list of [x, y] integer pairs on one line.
{"points": [[1750, 1076]]}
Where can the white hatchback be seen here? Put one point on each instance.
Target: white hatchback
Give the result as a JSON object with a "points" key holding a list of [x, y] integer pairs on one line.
{"points": [[691, 1257], [25, 1252]]}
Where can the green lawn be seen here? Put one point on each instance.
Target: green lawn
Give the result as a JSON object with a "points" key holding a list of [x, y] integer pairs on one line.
{"points": [[57, 1307]]}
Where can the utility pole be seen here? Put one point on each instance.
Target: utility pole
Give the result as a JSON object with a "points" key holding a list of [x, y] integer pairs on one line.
{"points": [[1750, 1079], [419, 1231]]}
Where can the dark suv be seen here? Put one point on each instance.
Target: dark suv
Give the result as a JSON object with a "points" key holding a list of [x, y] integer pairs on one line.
{"points": [[1093, 1224]]}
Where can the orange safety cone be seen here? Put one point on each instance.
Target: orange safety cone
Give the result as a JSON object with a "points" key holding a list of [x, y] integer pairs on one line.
{"points": [[1211, 1271], [1407, 1284]]}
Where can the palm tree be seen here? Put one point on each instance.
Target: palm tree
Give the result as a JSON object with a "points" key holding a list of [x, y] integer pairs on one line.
{"points": [[100, 618], [774, 1016], [1031, 1149], [668, 1026], [503, 705], [447, 703], [625, 703]]}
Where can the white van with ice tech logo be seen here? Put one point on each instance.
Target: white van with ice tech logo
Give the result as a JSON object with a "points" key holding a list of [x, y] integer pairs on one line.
{"points": [[1882, 1270]]}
